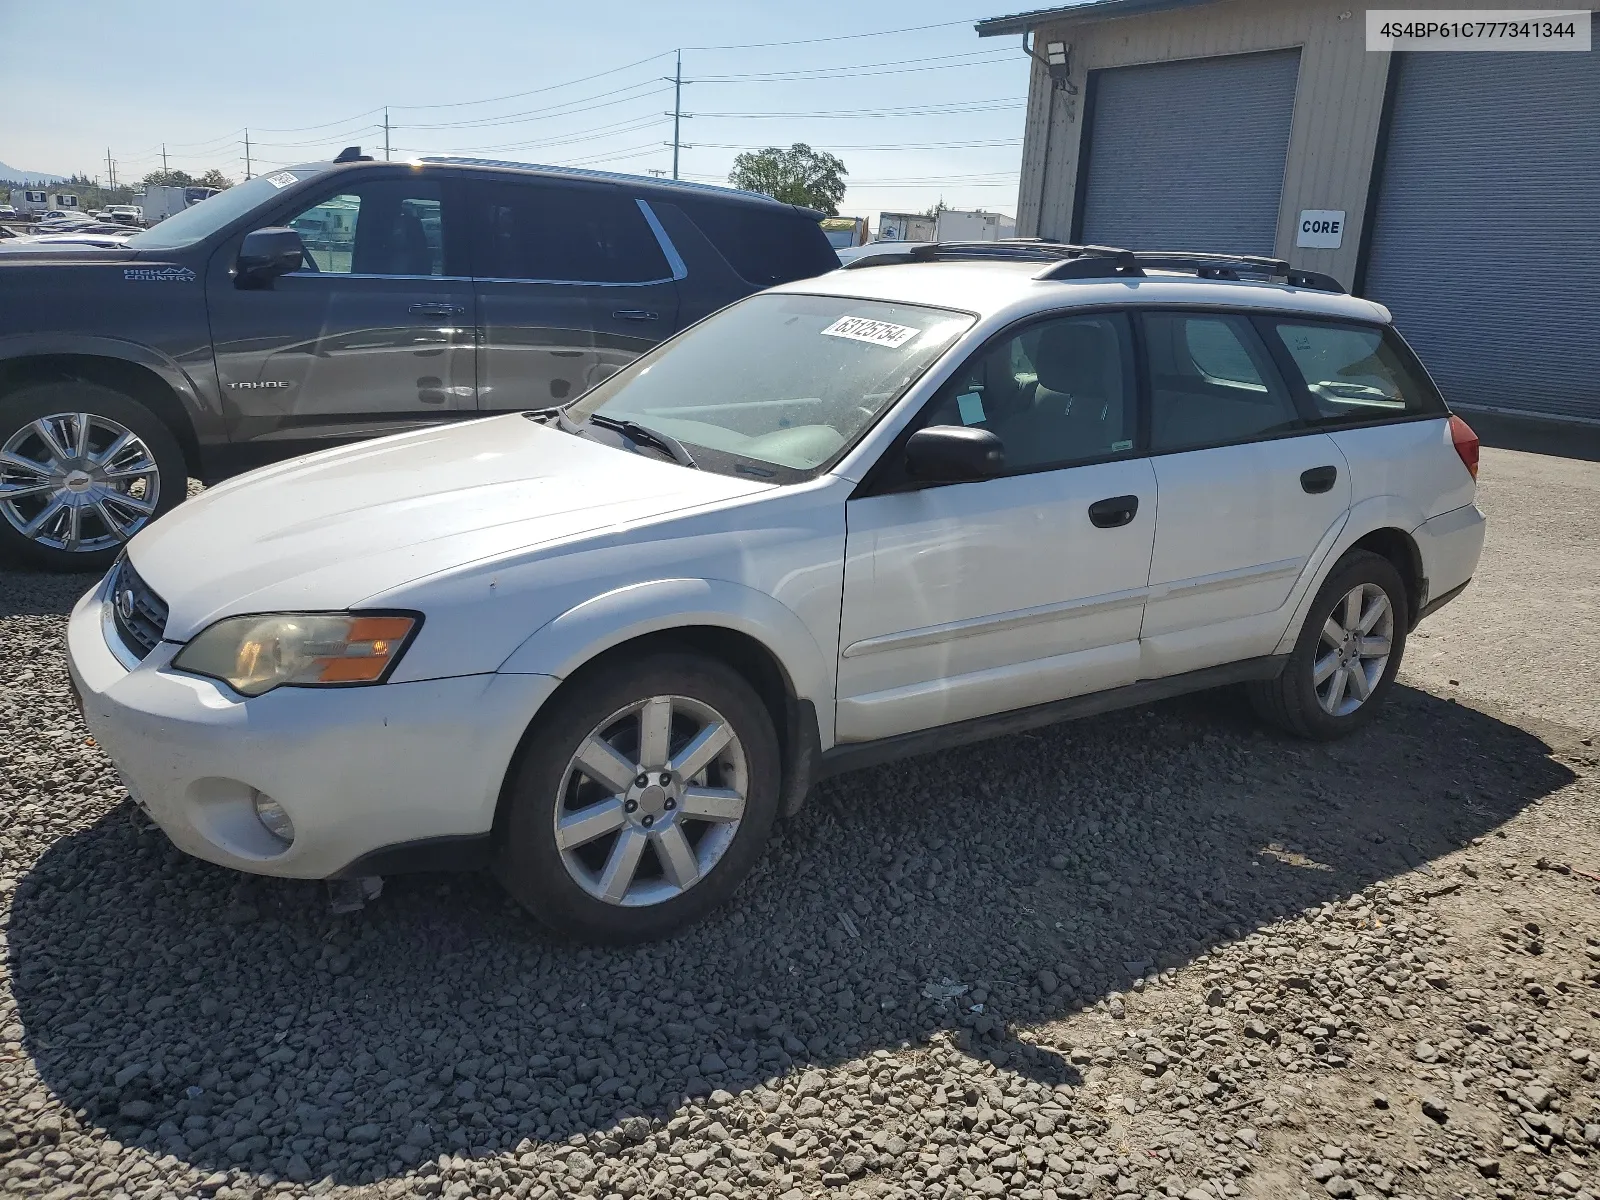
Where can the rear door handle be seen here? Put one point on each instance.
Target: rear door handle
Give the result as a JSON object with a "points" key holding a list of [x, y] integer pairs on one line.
{"points": [[635, 314], [1114, 513], [1319, 479], [432, 309]]}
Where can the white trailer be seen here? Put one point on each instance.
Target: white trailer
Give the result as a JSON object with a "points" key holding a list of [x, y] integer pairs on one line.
{"points": [[29, 202], [906, 227], [159, 201], [958, 226]]}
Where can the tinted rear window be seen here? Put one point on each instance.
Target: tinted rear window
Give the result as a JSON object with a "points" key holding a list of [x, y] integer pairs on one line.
{"points": [[1356, 373], [767, 246]]}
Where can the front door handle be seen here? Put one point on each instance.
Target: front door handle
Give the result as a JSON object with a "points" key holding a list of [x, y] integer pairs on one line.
{"points": [[1114, 513], [430, 308], [635, 314], [1319, 479]]}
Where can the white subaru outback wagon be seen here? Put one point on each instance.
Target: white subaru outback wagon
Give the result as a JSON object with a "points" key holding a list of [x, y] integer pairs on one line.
{"points": [[954, 492]]}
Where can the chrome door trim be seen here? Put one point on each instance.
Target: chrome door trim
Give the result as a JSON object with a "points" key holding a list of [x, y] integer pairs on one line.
{"points": [[1020, 618], [1225, 579], [674, 259]]}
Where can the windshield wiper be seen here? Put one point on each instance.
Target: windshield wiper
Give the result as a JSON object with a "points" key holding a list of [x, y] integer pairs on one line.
{"points": [[643, 433]]}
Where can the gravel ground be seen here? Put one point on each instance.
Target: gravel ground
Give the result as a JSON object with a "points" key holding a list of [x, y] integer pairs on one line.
{"points": [[1158, 953]]}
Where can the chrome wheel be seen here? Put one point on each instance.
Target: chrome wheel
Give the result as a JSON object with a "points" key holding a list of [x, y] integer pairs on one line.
{"points": [[1353, 651], [651, 801], [78, 482]]}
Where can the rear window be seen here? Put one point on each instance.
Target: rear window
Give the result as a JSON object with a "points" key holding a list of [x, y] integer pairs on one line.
{"points": [[767, 246], [1357, 373]]}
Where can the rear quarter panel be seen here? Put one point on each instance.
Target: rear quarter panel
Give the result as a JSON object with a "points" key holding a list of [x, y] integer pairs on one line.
{"points": [[1413, 461]]}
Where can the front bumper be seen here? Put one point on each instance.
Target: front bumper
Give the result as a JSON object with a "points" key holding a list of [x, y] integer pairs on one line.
{"points": [[358, 769]]}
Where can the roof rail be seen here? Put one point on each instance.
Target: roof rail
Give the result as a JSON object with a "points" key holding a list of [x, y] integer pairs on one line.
{"points": [[1068, 260]]}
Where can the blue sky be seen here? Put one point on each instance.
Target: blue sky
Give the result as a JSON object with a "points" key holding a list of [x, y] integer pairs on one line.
{"points": [[308, 79]]}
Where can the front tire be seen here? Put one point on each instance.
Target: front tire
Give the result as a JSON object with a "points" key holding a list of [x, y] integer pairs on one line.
{"points": [[642, 799], [1347, 655], [82, 469]]}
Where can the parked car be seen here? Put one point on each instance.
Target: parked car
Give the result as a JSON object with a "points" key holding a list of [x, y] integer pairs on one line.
{"points": [[336, 301], [8, 212], [601, 646], [125, 214]]}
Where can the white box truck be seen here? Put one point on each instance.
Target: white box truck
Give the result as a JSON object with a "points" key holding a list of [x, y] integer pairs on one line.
{"points": [[958, 226]]}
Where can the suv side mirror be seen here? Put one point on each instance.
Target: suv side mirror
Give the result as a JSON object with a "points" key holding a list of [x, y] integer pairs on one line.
{"points": [[954, 454], [268, 253]]}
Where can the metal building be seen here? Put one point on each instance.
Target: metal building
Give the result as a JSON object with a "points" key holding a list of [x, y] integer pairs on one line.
{"points": [[1460, 189]]}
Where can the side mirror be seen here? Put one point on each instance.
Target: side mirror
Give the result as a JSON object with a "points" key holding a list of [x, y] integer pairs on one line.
{"points": [[268, 253], [953, 454]]}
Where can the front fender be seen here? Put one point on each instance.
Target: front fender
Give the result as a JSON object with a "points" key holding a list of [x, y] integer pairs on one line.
{"points": [[196, 400], [1373, 513], [565, 643]]}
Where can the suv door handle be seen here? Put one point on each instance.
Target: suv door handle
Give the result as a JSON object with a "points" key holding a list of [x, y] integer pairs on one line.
{"points": [[1319, 479], [435, 309], [635, 314], [1113, 513]]}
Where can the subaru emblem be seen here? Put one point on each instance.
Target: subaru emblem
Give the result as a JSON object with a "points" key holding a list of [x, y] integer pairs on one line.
{"points": [[125, 604]]}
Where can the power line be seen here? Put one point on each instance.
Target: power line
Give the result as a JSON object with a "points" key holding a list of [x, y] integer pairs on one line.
{"points": [[842, 37], [931, 110], [537, 91], [979, 58]]}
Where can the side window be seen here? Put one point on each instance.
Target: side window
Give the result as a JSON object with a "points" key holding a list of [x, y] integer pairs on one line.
{"points": [[764, 244], [1057, 393], [386, 227], [572, 234], [1355, 372], [1211, 382]]}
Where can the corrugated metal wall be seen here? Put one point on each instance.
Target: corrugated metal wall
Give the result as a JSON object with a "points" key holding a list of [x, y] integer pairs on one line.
{"points": [[1338, 103], [1486, 244], [1189, 155]]}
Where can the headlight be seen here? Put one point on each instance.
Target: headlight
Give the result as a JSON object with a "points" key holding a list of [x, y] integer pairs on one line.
{"points": [[255, 654]]}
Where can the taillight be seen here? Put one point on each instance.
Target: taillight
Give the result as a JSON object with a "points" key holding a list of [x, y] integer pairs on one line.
{"points": [[1466, 444]]}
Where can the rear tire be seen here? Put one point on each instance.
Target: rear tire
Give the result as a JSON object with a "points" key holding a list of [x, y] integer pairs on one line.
{"points": [[86, 468], [1336, 679], [647, 833]]}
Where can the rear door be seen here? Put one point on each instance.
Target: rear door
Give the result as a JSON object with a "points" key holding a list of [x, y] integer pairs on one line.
{"points": [[373, 333], [572, 283], [1250, 492]]}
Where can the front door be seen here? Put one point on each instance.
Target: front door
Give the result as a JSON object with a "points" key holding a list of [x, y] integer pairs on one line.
{"points": [[572, 284], [975, 598], [1249, 492], [374, 333]]}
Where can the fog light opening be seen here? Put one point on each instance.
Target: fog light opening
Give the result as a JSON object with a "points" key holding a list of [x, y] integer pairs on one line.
{"points": [[274, 818]]}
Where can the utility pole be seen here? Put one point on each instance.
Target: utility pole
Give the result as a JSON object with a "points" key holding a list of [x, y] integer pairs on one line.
{"points": [[111, 172], [247, 152], [163, 158], [385, 133], [677, 111]]}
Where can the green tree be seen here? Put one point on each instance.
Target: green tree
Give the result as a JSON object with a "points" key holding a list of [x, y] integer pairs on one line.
{"points": [[798, 175], [170, 179], [215, 179], [936, 209]]}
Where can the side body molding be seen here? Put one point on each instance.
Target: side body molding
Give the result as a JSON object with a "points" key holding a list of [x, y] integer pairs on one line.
{"points": [[565, 643]]}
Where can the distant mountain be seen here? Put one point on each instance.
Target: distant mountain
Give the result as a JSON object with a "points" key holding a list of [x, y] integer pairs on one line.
{"points": [[12, 175]]}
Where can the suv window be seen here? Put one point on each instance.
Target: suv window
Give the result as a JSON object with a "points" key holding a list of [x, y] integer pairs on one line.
{"points": [[766, 246], [386, 227], [1211, 382], [567, 234], [1057, 393], [1356, 372]]}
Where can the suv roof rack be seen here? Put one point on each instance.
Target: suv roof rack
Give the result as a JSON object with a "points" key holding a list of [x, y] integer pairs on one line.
{"points": [[1071, 261]]}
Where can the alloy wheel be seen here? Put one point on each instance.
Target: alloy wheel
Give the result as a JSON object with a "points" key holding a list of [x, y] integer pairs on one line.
{"points": [[1353, 651], [651, 801], [78, 482]]}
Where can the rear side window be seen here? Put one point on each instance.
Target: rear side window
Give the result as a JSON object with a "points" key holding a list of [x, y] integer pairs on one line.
{"points": [[1356, 372], [1212, 383], [766, 246], [565, 234]]}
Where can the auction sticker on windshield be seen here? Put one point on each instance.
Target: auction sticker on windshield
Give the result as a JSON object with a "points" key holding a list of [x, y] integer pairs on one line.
{"points": [[282, 179], [864, 329]]}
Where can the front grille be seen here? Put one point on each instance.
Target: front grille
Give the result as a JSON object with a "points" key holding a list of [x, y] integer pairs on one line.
{"points": [[140, 615]]}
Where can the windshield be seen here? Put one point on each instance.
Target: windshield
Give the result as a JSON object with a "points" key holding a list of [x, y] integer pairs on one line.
{"points": [[778, 385], [202, 219]]}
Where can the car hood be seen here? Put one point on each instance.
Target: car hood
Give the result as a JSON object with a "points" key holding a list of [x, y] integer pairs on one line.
{"points": [[65, 247], [332, 529]]}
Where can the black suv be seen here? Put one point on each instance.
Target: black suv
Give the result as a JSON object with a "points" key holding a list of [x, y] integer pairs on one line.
{"points": [[342, 300]]}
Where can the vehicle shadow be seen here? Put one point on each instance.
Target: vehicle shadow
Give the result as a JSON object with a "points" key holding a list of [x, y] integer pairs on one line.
{"points": [[237, 1023]]}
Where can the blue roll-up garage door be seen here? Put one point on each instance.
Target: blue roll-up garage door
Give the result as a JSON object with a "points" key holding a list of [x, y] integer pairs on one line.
{"points": [[1189, 155], [1486, 244]]}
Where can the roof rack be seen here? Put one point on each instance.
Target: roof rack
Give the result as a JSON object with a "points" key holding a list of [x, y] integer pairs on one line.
{"points": [[1071, 261]]}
